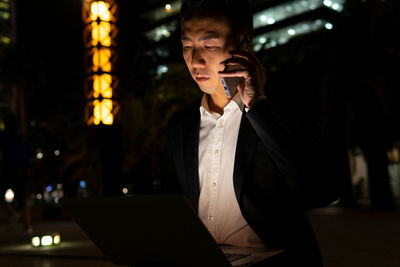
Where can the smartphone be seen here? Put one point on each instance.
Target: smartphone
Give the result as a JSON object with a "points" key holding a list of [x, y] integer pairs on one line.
{"points": [[230, 83]]}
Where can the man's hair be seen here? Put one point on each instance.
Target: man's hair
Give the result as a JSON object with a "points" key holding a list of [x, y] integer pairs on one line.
{"points": [[237, 13]]}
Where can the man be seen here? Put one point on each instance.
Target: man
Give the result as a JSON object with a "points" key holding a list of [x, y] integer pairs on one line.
{"points": [[247, 173]]}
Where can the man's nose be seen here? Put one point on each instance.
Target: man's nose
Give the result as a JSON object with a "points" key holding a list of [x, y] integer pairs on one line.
{"points": [[197, 59]]}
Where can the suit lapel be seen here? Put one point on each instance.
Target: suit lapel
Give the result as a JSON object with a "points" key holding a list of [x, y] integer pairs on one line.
{"points": [[246, 144], [190, 153]]}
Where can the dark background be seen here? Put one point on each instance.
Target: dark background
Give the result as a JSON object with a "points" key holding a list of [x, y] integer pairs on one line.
{"points": [[344, 82]]}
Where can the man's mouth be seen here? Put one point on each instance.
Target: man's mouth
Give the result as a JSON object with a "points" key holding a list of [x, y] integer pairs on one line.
{"points": [[200, 78]]}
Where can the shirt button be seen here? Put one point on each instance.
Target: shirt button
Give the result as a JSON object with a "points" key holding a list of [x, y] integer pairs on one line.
{"points": [[210, 218], [221, 122], [216, 152], [214, 185]]}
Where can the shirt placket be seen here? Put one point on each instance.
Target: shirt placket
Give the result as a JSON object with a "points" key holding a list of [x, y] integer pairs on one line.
{"points": [[216, 152]]}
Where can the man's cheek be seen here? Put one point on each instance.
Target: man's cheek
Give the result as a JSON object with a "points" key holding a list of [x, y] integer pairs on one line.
{"points": [[186, 62], [186, 58]]}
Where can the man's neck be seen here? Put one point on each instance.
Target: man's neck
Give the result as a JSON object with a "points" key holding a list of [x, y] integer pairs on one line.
{"points": [[216, 103]]}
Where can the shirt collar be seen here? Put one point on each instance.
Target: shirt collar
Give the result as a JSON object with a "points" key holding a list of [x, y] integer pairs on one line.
{"points": [[236, 102]]}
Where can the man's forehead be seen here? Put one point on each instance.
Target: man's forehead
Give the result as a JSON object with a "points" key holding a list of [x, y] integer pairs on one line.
{"points": [[204, 26], [202, 34]]}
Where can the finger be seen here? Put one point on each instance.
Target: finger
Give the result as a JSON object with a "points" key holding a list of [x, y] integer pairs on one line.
{"points": [[238, 52], [235, 73], [244, 54], [237, 61]]}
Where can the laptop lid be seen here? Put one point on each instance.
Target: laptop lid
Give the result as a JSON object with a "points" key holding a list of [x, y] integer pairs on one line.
{"points": [[147, 230]]}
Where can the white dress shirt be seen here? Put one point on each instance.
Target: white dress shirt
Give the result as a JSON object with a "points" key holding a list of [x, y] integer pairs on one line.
{"points": [[218, 206]]}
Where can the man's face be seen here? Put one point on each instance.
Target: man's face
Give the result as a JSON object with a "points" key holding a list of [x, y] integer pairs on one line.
{"points": [[205, 43]]}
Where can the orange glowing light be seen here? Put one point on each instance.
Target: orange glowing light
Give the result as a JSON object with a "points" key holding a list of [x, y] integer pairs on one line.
{"points": [[100, 10], [102, 86], [103, 112], [102, 107], [101, 59], [101, 33]]}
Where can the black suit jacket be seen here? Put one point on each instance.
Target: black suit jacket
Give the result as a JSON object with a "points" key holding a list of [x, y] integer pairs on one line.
{"points": [[279, 171]]}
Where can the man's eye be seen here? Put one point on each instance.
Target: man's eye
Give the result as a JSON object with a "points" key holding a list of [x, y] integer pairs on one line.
{"points": [[187, 47], [209, 47]]}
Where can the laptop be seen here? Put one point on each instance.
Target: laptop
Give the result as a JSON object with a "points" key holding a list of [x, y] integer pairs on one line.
{"points": [[155, 230]]}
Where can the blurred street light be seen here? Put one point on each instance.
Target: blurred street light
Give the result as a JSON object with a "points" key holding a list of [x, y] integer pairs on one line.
{"points": [[9, 196], [46, 240], [39, 155]]}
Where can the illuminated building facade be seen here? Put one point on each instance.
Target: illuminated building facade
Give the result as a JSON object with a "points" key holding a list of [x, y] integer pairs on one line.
{"points": [[5, 22], [100, 33], [8, 98], [276, 25]]}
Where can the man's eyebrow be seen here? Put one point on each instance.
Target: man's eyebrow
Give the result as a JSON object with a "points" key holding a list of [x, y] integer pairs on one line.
{"points": [[185, 38]]}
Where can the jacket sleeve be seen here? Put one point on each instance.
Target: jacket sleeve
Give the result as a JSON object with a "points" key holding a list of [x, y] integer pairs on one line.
{"points": [[304, 160]]}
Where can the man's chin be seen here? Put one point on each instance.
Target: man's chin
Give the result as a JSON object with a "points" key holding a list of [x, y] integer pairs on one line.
{"points": [[207, 90]]}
